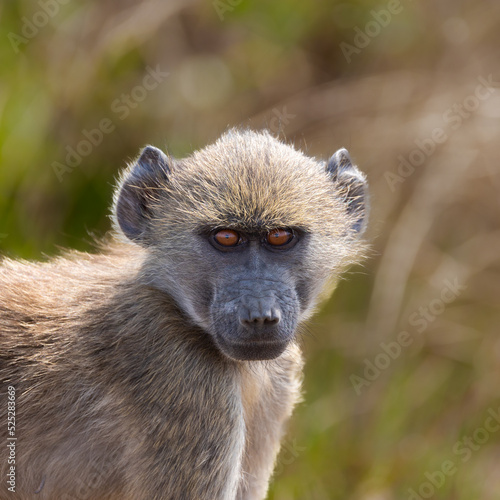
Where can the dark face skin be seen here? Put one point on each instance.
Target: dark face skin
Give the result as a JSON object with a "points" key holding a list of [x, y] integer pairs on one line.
{"points": [[255, 306], [244, 289]]}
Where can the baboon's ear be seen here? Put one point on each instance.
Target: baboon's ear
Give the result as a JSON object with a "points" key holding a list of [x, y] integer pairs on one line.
{"points": [[138, 191], [352, 187]]}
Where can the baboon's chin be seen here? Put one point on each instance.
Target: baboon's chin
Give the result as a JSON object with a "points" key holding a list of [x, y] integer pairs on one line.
{"points": [[251, 350]]}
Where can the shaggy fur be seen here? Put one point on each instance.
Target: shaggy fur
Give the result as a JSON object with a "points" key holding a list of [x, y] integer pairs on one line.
{"points": [[120, 392]]}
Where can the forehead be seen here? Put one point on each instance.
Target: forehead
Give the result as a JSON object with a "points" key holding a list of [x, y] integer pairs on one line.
{"points": [[254, 182]]}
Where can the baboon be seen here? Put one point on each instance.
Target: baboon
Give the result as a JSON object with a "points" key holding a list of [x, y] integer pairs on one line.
{"points": [[166, 365]]}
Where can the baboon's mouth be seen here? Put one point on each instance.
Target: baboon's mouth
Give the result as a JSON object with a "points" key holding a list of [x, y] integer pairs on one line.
{"points": [[251, 350]]}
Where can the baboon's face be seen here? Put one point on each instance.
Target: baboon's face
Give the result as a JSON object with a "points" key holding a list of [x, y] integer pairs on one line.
{"points": [[244, 289], [255, 303], [244, 235]]}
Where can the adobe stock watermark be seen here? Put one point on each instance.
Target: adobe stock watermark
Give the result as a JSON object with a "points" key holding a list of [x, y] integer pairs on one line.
{"points": [[223, 6], [121, 107], [419, 320], [280, 119], [453, 119], [363, 37], [464, 449], [31, 27], [290, 450]]}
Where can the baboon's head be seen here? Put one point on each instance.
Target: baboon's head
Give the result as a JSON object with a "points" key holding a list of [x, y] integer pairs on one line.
{"points": [[246, 235]]}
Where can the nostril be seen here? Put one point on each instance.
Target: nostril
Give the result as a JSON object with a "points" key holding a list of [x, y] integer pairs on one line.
{"points": [[271, 321], [272, 317]]}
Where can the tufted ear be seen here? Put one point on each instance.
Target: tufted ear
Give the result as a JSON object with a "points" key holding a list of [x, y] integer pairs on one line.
{"points": [[137, 192], [352, 187]]}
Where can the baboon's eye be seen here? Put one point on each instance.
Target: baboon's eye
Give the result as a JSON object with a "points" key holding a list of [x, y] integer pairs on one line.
{"points": [[280, 237], [227, 238]]}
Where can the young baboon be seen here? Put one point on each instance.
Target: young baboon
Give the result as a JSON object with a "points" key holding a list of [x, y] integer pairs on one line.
{"points": [[166, 366]]}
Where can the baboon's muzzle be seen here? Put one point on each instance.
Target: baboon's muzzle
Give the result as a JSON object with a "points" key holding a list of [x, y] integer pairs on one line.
{"points": [[256, 321]]}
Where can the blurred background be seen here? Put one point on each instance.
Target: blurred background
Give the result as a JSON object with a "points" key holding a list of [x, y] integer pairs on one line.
{"points": [[402, 381]]}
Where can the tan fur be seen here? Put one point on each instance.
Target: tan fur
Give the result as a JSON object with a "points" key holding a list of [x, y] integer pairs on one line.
{"points": [[119, 395]]}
